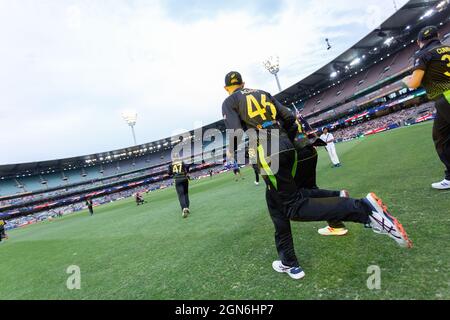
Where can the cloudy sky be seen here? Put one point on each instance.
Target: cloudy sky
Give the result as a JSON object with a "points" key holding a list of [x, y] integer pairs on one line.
{"points": [[68, 68]]}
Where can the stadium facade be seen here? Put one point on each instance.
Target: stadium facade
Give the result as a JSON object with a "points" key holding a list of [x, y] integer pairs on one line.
{"points": [[361, 83]]}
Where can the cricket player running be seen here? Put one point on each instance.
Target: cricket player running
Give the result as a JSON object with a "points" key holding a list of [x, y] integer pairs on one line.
{"points": [[179, 171], [331, 147], [432, 70], [257, 109]]}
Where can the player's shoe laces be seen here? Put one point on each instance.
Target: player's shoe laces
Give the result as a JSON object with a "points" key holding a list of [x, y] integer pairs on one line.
{"points": [[296, 273], [185, 212], [382, 222], [329, 231], [443, 185]]}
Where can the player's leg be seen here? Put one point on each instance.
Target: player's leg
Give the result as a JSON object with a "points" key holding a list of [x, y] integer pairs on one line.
{"points": [[179, 186], [186, 193], [235, 175], [441, 137], [256, 171], [305, 174], [288, 262], [335, 155], [369, 211], [331, 153], [300, 208], [305, 178]]}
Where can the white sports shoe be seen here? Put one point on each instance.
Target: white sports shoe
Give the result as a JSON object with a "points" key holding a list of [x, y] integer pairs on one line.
{"points": [[443, 185], [256, 183], [295, 273], [185, 212], [382, 222], [344, 194]]}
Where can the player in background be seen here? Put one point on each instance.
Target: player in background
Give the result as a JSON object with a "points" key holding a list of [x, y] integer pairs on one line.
{"points": [[139, 198], [255, 109], [331, 147], [253, 159], [432, 71], [90, 206], [179, 171], [256, 170], [236, 169]]}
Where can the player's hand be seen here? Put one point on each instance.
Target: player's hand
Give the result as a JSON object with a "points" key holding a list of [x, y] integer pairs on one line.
{"points": [[319, 143], [406, 81]]}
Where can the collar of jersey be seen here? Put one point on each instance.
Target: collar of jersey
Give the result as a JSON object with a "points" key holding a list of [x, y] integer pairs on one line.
{"points": [[431, 43]]}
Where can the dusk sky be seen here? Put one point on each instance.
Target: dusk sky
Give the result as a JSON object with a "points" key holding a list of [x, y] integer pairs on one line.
{"points": [[69, 68]]}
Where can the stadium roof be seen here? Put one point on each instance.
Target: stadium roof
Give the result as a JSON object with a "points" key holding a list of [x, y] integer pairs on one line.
{"points": [[400, 29], [101, 157]]}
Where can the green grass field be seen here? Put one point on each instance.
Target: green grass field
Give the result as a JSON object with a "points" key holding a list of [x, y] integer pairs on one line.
{"points": [[226, 247]]}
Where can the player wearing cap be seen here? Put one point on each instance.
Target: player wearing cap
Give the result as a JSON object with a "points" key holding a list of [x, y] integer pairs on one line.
{"points": [[331, 147], [179, 171], [257, 109], [432, 71]]}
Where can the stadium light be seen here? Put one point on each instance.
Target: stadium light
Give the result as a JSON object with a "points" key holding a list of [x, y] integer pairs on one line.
{"points": [[388, 41], [355, 62], [130, 118], [442, 5], [427, 14], [272, 64]]}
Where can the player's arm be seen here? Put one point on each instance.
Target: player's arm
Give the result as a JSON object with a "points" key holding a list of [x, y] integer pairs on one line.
{"points": [[287, 119], [232, 122], [414, 81], [330, 138], [187, 169]]}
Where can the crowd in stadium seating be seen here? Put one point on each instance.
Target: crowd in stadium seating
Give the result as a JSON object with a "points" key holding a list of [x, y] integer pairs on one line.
{"points": [[61, 211], [397, 118]]}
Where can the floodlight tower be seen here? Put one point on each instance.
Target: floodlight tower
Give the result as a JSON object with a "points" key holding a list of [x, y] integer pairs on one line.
{"points": [[272, 64], [130, 118]]}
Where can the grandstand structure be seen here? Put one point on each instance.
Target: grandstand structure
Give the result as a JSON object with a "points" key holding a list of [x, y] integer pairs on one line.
{"points": [[364, 81]]}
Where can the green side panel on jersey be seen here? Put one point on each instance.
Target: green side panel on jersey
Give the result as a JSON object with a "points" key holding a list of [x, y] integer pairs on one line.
{"points": [[266, 167], [294, 168], [447, 95]]}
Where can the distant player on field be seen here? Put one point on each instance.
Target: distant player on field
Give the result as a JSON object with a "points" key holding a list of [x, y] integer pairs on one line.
{"points": [[432, 70], [236, 170], [139, 198], [90, 206], [257, 109], [254, 162], [331, 147], [179, 171]]}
